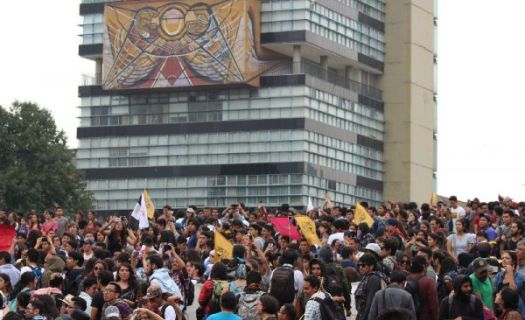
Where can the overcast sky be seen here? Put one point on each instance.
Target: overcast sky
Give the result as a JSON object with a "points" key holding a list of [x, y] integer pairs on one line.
{"points": [[480, 87]]}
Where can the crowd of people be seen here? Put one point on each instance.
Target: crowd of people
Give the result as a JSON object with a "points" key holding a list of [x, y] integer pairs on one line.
{"points": [[427, 262]]}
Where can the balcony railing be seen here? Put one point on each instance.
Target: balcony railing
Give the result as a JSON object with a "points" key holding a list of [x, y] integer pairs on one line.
{"points": [[304, 67]]}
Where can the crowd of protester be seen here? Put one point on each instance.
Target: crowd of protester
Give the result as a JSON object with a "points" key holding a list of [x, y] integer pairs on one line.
{"points": [[412, 262]]}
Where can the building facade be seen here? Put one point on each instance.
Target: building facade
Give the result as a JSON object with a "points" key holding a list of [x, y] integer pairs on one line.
{"points": [[273, 101]]}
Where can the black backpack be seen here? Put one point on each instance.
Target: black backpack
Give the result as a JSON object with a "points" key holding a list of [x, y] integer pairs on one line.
{"points": [[472, 304], [189, 290], [330, 310], [333, 281], [283, 285], [412, 286]]}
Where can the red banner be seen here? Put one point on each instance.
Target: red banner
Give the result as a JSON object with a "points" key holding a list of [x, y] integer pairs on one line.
{"points": [[7, 233], [285, 227]]}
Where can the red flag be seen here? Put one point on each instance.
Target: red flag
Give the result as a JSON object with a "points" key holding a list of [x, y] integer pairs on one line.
{"points": [[285, 227], [7, 233]]}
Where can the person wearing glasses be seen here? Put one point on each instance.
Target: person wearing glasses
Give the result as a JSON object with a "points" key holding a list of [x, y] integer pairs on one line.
{"points": [[371, 283], [112, 298]]}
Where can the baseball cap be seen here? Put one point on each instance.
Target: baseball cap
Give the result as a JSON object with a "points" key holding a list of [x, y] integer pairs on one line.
{"points": [[374, 247], [68, 300], [112, 311], [392, 222], [480, 265], [153, 291]]}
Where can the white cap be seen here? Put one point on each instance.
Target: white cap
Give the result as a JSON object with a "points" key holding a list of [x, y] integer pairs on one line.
{"points": [[374, 247], [112, 311]]}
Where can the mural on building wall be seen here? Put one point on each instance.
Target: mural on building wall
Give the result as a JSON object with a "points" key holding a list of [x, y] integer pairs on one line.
{"points": [[162, 44]]}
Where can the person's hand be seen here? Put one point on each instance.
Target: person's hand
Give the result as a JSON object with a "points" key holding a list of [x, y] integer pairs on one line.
{"points": [[509, 269], [174, 299], [142, 312], [129, 302], [459, 318]]}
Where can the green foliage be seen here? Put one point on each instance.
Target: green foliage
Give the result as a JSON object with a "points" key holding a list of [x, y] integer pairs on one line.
{"points": [[36, 167]]}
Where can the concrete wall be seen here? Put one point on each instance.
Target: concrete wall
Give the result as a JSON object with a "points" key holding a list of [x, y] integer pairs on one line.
{"points": [[408, 85]]}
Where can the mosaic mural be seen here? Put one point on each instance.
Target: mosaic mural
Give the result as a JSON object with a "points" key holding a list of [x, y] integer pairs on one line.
{"points": [[162, 44]]}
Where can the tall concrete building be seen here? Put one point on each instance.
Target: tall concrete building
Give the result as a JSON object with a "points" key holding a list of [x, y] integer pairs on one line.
{"points": [[217, 102]]}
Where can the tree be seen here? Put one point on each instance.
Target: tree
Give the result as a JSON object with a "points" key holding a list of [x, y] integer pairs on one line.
{"points": [[36, 167]]}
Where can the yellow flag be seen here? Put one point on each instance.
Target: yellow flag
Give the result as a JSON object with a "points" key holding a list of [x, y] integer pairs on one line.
{"points": [[223, 248], [433, 199], [307, 227], [361, 216], [149, 205]]}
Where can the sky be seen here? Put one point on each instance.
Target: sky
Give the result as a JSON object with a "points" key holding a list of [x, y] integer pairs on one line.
{"points": [[480, 87]]}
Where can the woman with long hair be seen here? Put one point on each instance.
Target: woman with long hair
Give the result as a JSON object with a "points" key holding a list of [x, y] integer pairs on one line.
{"points": [[436, 242], [460, 241], [267, 307], [49, 223], [218, 277], [34, 221], [128, 284], [5, 286], [93, 268], [91, 219], [117, 237], [27, 282], [509, 276], [508, 300], [287, 312]]}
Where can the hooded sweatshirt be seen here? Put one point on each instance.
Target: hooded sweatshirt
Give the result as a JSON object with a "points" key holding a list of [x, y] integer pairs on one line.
{"points": [[461, 303], [166, 283], [53, 264]]}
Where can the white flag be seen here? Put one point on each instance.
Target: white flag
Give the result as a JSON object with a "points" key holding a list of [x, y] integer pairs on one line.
{"points": [[310, 205], [141, 213]]}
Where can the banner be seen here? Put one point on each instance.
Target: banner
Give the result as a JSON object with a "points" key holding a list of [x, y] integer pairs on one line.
{"points": [[307, 227], [7, 233], [223, 248], [310, 205], [433, 199], [361, 215], [285, 227], [150, 208], [140, 212]]}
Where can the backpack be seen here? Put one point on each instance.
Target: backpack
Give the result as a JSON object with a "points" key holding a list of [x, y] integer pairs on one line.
{"points": [[215, 301], [189, 290], [247, 305], [38, 275], [412, 286], [283, 285], [330, 310], [333, 283], [472, 304], [37, 272]]}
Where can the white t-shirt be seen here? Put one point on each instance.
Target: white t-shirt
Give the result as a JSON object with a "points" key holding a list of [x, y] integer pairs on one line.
{"points": [[28, 269], [336, 236], [169, 313], [460, 243]]}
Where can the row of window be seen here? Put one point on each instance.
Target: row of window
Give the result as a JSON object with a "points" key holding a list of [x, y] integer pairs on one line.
{"points": [[219, 191], [219, 143], [373, 48], [278, 16], [246, 98]]}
